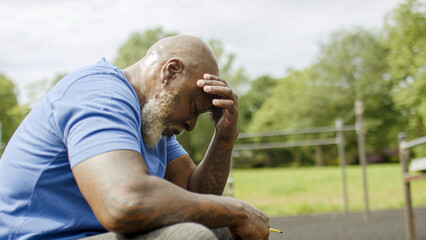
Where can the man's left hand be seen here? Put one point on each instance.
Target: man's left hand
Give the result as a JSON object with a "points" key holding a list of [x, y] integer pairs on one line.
{"points": [[225, 102]]}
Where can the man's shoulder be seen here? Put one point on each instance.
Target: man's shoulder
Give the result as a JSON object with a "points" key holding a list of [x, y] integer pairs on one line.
{"points": [[99, 76], [101, 67]]}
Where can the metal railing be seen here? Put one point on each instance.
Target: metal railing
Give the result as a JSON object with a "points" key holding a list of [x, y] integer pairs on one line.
{"points": [[338, 129]]}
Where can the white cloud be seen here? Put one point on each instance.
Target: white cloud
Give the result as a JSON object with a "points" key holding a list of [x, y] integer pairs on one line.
{"points": [[45, 37]]}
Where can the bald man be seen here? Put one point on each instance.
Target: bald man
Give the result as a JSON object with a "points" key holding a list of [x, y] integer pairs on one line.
{"points": [[98, 153]]}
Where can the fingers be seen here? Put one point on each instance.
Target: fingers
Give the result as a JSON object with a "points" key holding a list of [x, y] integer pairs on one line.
{"points": [[219, 90], [225, 105], [213, 80], [215, 85], [226, 97], [209, 79]]}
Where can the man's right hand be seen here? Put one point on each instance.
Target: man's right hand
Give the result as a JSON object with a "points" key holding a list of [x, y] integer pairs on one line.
{"points": [[255, 226]]}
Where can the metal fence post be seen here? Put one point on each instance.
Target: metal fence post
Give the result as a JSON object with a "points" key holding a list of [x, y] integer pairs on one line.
{"points": [[230, 180], [341, 151], [403, 159], [362, 155]]}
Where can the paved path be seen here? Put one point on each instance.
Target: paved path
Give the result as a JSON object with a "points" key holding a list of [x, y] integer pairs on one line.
{"points": [[386, 225]]}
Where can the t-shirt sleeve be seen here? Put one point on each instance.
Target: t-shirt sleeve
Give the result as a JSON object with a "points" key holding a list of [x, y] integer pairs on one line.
{"points": [[97, 114], [174, 149]]}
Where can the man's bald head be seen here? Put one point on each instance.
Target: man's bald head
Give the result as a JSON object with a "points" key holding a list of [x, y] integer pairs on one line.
{"points": [[196, 55], [165, 81]]}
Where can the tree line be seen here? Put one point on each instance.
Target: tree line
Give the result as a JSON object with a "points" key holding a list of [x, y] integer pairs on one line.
{"points": [[384, 68]]}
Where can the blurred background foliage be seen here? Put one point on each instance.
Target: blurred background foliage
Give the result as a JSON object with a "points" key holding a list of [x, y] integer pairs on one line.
{"points": [[385, 68]]}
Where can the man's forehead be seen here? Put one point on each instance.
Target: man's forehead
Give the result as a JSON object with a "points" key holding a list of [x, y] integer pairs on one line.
{"points": [[198, 98], [201, 98]]}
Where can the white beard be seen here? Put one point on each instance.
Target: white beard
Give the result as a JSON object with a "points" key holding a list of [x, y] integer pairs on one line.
{"points": [[154, 118]]}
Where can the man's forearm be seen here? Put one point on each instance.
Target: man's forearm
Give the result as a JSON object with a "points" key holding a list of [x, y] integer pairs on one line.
{"points": [[157, 203], [211, 175], [125, 199]]}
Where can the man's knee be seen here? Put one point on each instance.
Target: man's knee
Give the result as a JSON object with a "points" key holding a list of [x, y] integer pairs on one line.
{"points": [[194, 231]]}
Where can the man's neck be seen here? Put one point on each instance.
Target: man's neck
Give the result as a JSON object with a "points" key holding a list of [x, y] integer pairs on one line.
{"points": [[139, 80]]}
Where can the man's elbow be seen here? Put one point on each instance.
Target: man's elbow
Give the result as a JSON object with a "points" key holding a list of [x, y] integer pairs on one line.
{"points": [[125, 213]]}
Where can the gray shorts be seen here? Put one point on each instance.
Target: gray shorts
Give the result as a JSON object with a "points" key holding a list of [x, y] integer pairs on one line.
{"points": [[180, 231]]}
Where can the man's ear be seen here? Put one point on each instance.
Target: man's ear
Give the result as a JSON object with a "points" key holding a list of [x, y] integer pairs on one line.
{"points": [[170, 69]]}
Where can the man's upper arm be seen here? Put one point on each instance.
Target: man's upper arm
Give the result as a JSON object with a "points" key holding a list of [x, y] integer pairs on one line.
{"points": [[179, 171], [109, 176]]}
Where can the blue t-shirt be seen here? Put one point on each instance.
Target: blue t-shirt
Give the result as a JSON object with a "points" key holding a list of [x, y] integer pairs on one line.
{"points": [[91, 111]]}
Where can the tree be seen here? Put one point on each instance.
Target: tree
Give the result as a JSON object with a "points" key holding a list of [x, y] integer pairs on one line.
{"points": [[350, 66], [405, 30], [290, 106], [354, 62], [253, 100], [11, 114]]}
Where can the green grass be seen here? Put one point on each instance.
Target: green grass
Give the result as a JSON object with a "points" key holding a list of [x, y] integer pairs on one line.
{"points": [[310, 190]]}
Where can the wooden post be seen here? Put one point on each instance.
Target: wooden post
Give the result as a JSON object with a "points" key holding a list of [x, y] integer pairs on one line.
{"points": [[362, 154], [342, 159], [403, 159], [319, 160]]}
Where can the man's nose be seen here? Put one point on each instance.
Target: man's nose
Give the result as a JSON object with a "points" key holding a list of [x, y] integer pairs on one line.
{"points": [[190, 123]]}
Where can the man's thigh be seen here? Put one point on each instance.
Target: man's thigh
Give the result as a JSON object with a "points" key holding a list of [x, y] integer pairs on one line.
{"points": [[181, 231]]}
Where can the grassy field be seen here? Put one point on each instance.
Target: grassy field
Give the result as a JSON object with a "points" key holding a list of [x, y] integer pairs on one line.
{"points": [[310, 190]]}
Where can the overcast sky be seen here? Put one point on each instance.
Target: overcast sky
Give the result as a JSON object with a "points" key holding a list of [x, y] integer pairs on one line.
{"points": [[41, 38]]}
